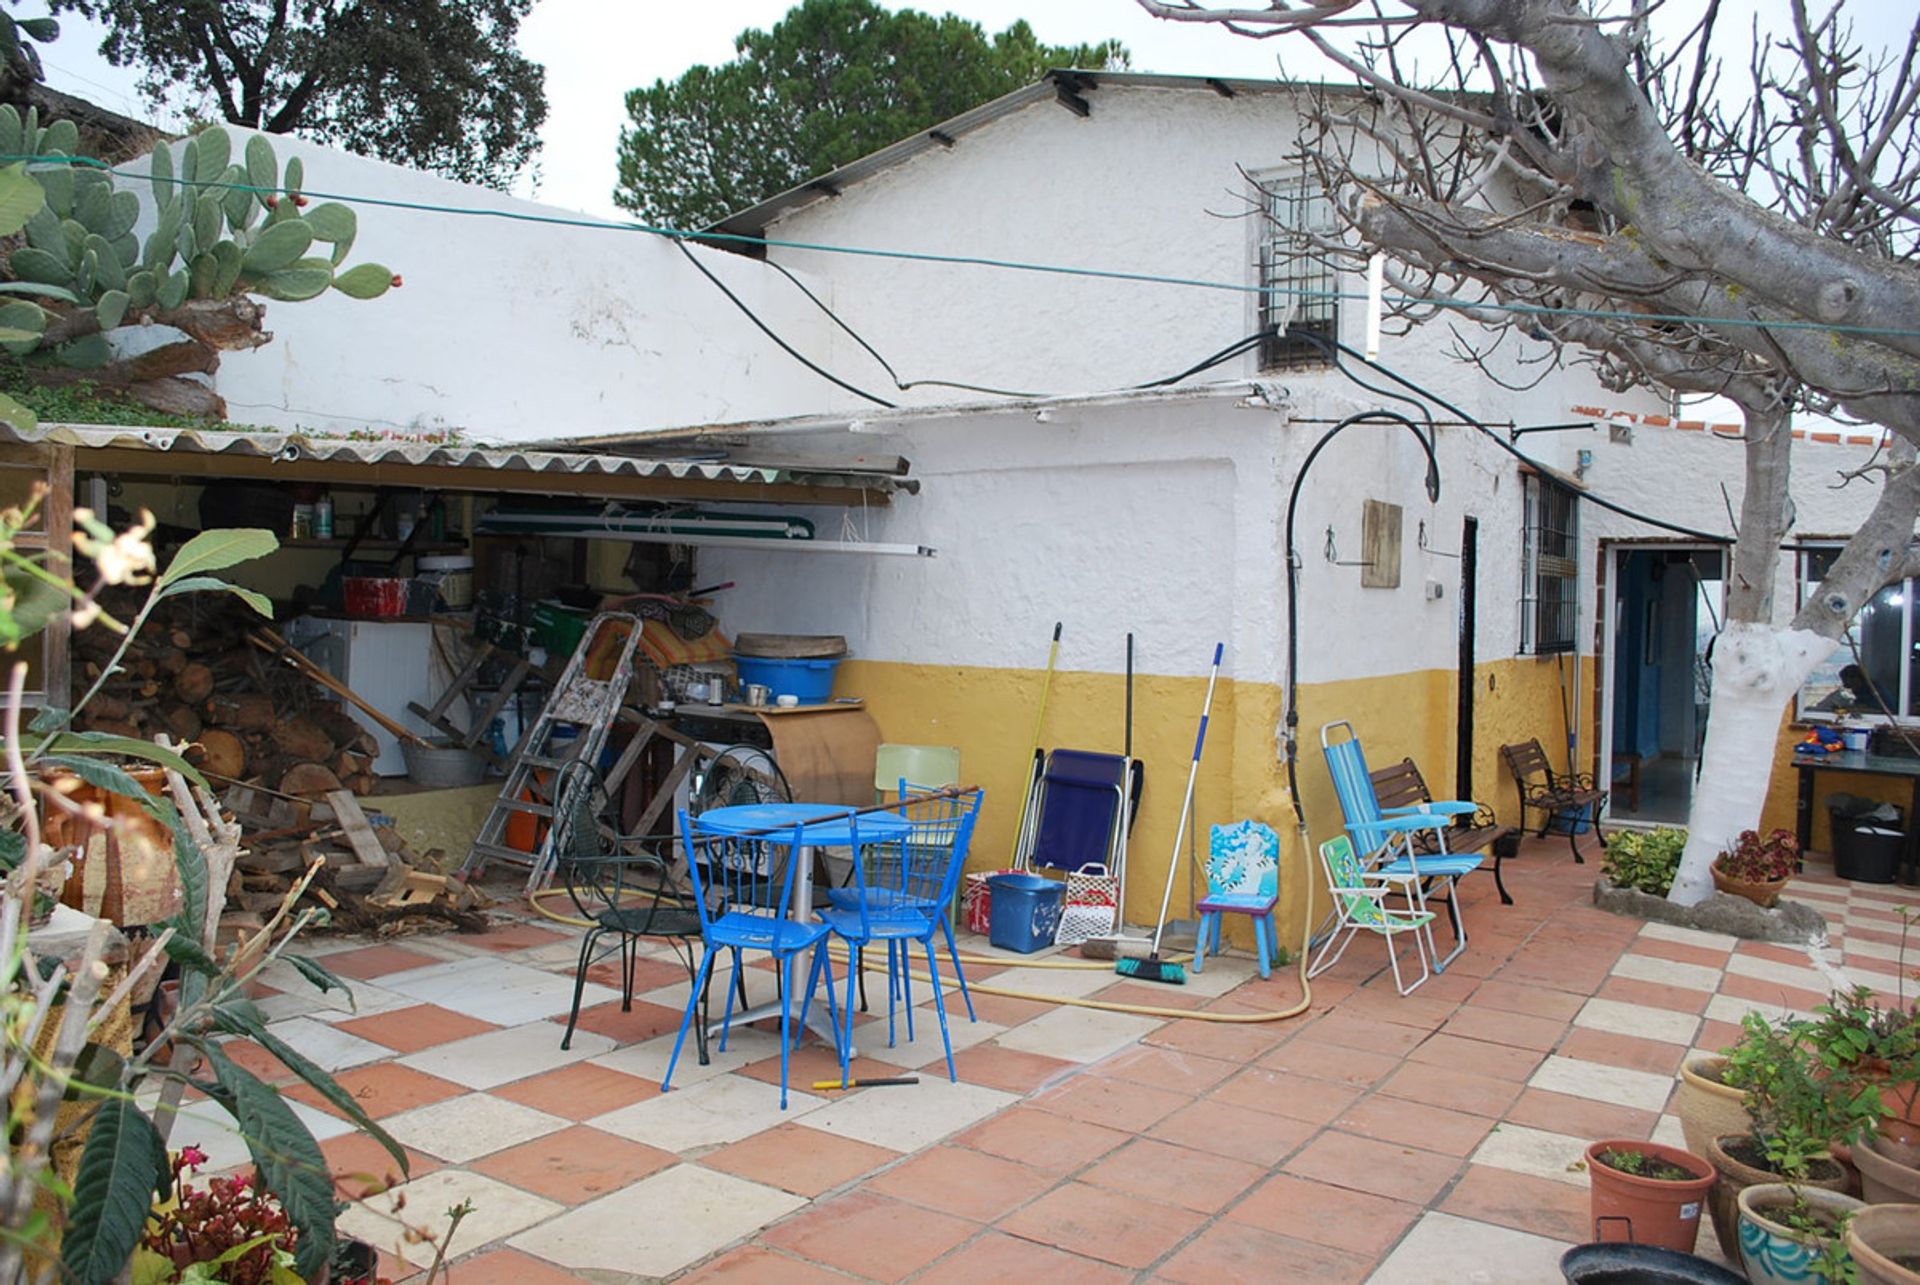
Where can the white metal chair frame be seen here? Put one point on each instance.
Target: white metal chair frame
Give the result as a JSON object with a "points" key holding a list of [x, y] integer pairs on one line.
{"points": [[1359, 902]]}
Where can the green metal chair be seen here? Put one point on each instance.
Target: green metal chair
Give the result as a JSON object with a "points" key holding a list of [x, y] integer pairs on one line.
{"points": [[1359, 904], [930, 766]]}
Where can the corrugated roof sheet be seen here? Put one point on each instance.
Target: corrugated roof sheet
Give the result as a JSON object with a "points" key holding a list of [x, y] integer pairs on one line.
{"points": [[340, 450]]}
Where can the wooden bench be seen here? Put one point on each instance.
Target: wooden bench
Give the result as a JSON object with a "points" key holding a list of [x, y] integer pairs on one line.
{"points": [[1550, 791], [1402, 786]]}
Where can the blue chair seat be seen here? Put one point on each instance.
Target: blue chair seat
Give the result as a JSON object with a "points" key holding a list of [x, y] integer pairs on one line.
{"points": [[880, 924], [1238, 903], [757, 932], [1450, 866]]}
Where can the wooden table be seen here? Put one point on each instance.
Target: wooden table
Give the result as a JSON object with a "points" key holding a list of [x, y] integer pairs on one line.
{"points": [[1860, 763]]}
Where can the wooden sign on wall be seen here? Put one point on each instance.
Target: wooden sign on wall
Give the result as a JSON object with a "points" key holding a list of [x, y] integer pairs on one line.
{"points": [[1380, 545]]}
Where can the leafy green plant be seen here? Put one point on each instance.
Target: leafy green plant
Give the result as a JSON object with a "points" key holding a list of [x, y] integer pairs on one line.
{"points": [[1799, 1110], [1644, 859], [1753, 859], [1642, 1165]]}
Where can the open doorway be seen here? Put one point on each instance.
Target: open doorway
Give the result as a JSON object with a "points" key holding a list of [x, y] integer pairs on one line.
{"points": [[1669, 604]]}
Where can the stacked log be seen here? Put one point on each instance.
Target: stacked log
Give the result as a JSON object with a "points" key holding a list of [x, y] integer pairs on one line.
{"points": [[191, 673]]}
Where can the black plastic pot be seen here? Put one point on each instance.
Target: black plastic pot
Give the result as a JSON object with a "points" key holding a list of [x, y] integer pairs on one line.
{"points": [[1612, 1263]]}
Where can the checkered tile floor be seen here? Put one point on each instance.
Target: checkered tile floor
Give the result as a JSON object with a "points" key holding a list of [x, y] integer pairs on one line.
{"points": [[1379, 1138]]}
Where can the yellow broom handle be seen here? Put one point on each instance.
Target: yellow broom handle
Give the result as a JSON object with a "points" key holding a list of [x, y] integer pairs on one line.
{"points": [[1033, 757]]}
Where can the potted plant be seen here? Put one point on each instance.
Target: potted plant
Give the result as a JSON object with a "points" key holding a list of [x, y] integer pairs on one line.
{"points": [[1884, 1242], [1647, 1193], [1757, 868], [1874, 1049], [1707, 1105], [1797, 1112], [1795, 1235], [1644, 859]]}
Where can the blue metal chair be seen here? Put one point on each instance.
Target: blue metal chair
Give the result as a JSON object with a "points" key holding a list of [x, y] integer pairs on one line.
{"points": [[848, 898], [1359, 905], [1385, 836], [743, 886], [901, 893], [1243, 878]]}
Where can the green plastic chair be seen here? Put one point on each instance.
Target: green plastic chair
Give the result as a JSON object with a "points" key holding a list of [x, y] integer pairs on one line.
{"points": [[932, 766], [1359, 902]]}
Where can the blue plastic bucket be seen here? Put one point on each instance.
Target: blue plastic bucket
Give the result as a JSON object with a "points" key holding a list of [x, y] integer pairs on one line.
{"points": [[1572, 820], [1026, 911], [810, 680]]}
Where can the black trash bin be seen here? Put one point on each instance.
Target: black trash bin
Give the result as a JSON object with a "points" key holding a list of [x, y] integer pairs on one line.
{"points": [[1868, 839]]}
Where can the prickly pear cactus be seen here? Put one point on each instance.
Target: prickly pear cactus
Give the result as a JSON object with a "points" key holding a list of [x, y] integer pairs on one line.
{"points": [[224, 225]]}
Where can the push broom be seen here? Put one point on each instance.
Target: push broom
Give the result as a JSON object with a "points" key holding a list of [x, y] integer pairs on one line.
{"points": [[1153, 968]]}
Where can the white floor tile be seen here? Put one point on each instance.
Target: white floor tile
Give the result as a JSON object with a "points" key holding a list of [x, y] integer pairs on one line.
{"points": [[659, 1224], [494, 990], [648, 1060], [1690, 936], [910, 1118], [472, 1125], [1637, 1020], [1079, 1034], [1442, 1247], [206, 1125], [1804, 976], [1556, 1156], [499, 1210], [1599, 1082], [331, 1049], [925, 1049], [1729, 1008], [1668, 972], [726, 1108], [498, 1057]]}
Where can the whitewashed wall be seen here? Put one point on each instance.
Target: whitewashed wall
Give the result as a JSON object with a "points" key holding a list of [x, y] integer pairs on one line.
{"points": [[513, 330]]}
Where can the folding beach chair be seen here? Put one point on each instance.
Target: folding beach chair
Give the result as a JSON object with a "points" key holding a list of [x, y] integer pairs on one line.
{"points": [[1077, 818], [1385, 837]]}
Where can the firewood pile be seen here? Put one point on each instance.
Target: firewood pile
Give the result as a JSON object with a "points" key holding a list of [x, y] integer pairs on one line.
{"points": [[193, 673]]}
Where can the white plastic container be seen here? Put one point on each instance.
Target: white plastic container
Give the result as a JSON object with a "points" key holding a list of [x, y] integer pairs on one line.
{"points": [[452, 576]]}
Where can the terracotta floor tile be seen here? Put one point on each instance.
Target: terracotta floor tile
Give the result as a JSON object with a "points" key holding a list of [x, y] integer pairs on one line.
{"points": [[382, 1089], [1229, 1043], [507, 1267], [870, 1235], [642, 1022], [1454, 1089], [1013, 1070], [1540, 1205], [1261, 1088], [1719, 1036], [574, 1165], [1382, 1168], [804, 1161], [1354, 1032], [1356, 1221], [1174, 1175], [1230, 1251], [648, 975], [520, 936], [758, 1265], [997, 1257], [370, 962], [1306, 1056], [1688, 953], [1492, 1026], [1631, 990], [1151, 995], [249, 1056], [1532, 1001], [967, 1183], [998, 1009], [1415, 1124], [1752, 949], [1092, 1221], [1378, 1000], [1100, 1100], [578, 1092], [1501, 1061], [1166, 1069], [1225, 1130], [361, 1166], [422, 1026], [1656, 1056], [1758, 990], [1041, 1139], [1580, 1117]]}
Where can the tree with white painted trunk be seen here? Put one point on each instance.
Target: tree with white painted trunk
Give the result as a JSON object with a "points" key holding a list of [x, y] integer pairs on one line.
{"points": [[1579, 182]]}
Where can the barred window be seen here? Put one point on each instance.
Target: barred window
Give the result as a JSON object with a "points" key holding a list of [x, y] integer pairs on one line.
{"points": [[1298, 285], [1549, 601]]}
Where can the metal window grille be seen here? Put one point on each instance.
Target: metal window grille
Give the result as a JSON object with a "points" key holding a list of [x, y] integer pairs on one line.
{"points": [[1549, 602], [1298, 285]]}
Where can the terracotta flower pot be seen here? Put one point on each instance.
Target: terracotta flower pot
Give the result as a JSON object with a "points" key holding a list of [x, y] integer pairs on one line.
{"points": [[1774, 1253], [1707, 1108], [1648, 1210], [1884, 1179], [1760, 894], [1885, 1243], [1736, 1175]]}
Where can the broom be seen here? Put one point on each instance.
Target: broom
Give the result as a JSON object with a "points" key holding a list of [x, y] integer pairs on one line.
{"points": [[1153, 968]]}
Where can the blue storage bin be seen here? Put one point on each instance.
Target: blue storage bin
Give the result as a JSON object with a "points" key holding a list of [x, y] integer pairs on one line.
{"points": [[1572, 820], [810, 680], [1026, 911]]}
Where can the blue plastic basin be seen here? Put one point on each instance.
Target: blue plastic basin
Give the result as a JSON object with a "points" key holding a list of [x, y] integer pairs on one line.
{"points": [[810, 680]]}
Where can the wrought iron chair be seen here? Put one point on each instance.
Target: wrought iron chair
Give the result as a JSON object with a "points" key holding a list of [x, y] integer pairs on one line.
{"points": [[625, 893]]}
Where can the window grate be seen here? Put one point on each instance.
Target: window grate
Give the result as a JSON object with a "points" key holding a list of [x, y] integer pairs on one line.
{"points": [[1298, 284], [1549, 602]]}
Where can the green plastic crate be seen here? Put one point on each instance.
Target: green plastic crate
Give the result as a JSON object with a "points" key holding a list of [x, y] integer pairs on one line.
{"points": [[558, 628]]}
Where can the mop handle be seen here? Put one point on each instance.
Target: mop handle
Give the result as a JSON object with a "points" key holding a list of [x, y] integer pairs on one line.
{"points": [[1186, 802]]}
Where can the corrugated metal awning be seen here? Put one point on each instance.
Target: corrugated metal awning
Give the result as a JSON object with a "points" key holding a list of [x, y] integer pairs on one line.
{"points": [[447, 466]]}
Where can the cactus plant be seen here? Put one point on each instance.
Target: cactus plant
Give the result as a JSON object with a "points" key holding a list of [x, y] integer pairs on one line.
{"points": [[224, 227]]}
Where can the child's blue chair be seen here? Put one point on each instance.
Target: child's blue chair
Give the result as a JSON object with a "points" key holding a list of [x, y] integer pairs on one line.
{"points": [[1243, 878]]}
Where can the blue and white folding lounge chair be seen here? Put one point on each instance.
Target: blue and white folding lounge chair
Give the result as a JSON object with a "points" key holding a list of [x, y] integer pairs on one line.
{"points": [[1385, 837]]}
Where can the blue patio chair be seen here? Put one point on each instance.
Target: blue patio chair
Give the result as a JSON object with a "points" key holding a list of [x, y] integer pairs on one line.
{"points": [[848, 898], [1385, 836], [743, 887], [902, 889], [1243, 878], [1359, 905]]}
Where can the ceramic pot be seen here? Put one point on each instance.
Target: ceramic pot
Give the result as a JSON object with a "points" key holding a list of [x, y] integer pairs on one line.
{"points": [[1885, 1243], [1707, 1108], [1736, 1175], [1648, 1211], [1774, 1253], [1885, 1181], [1760, 894]]}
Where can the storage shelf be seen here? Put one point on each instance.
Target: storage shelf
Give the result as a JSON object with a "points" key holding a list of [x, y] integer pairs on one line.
{"points": [[428, 547]]}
